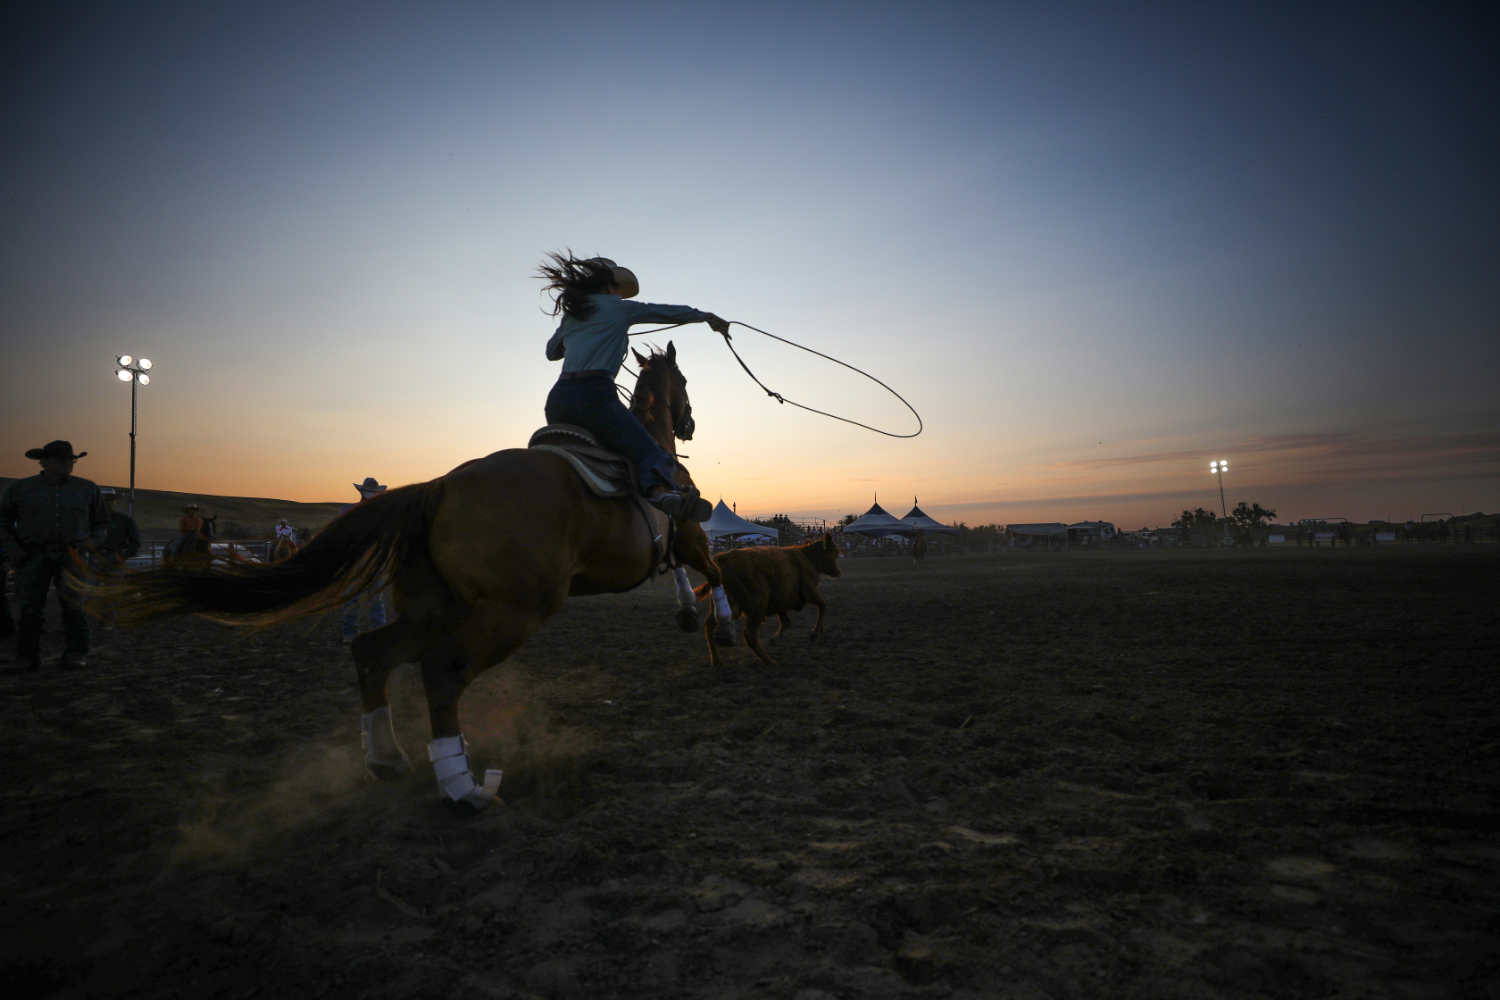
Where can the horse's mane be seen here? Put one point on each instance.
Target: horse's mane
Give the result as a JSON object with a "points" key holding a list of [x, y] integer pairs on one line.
{"points": [[641, 401]]}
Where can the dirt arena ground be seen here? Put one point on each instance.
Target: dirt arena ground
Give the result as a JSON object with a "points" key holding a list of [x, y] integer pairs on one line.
{"points": [[1175, 774]]}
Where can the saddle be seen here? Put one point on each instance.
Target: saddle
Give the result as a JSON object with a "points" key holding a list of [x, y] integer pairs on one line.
{"points": [[603, 472], [608, 475]]}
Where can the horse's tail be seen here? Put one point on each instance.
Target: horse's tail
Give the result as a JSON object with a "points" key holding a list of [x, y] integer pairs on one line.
{"points": [[358, 551]]}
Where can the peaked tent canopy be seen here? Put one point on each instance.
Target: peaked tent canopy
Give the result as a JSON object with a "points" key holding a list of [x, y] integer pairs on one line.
{"points": [[725, 523], [919, 521], [877, 523]]}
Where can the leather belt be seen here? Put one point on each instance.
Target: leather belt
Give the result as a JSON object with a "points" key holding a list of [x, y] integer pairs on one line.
{"points": [[590, 373]]}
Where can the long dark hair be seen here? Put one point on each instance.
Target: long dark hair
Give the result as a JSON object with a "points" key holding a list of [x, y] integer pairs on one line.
{"points": [[573, 281]]}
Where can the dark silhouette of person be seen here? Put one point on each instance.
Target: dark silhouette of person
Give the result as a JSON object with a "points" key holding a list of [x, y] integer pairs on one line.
{"points": [[43, 519]]}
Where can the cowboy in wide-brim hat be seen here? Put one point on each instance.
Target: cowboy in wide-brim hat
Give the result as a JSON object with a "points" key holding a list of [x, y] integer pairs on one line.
{"points": [[370, 487], [46, 521], [54, 449], [124, 538]]}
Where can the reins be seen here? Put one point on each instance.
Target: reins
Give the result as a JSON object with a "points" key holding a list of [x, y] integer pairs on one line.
{"points": [[802, 406]]}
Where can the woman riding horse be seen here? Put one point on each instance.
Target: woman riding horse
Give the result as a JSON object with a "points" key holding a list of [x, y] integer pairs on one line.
{"points": [[476, 560], [591, 296]]}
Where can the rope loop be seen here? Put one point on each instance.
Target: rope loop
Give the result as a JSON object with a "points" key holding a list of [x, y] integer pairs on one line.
{"points": [[783, 400]]}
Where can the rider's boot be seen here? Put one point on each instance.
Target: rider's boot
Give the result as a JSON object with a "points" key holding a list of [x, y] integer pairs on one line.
{"points": [[683, 504]]}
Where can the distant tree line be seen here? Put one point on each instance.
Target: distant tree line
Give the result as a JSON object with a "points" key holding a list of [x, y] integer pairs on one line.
{"points": [[1245, 516]]}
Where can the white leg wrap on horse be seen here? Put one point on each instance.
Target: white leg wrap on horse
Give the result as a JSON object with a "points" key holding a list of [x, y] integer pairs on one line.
{"points": [[378, 738], [450, 762], [721, 605], [685, 598]]}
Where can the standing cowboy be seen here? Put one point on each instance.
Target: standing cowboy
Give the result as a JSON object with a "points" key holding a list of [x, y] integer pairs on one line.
{"points": [[42, 520], [123, 539], [374, 600]]}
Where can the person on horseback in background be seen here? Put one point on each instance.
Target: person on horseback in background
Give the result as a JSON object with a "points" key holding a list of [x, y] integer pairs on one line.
{"points": [[591, 296], [187, 529]]}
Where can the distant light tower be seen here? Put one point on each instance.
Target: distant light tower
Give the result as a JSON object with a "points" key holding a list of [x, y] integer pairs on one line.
{"points": [[134, 371], [1219, 468]]}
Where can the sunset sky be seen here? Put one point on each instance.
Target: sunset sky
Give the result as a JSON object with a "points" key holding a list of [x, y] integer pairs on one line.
{"points": [[1095, 245]]}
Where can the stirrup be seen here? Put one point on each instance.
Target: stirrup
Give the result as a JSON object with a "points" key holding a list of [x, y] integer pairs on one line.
{"points": [[671, 503], [686, 505]]}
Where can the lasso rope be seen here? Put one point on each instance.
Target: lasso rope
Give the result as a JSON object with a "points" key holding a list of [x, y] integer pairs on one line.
{"points": [[782, 399]]}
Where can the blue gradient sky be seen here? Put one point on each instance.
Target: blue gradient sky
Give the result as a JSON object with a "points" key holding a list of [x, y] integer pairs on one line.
{"points": [[1095, 245]]}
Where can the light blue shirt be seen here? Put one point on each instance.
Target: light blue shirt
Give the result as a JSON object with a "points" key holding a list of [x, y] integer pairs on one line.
{"points": [[599, 342]]}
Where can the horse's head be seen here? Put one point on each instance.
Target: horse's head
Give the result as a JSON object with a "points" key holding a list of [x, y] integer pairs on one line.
{"points": [[209, 527], [662, 379], [824, 555]]}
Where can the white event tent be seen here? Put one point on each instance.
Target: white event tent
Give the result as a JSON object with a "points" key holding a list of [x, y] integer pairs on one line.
{"points": [[725, 523], [919, 521], [877, 523]]}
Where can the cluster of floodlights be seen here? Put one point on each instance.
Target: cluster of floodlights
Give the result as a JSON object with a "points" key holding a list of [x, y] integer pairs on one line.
{"points": [[1218, 467], [133, 368]]}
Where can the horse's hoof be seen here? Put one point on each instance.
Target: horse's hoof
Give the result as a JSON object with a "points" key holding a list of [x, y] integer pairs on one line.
{"points": [[389, 770], [724, 634], [466, 808], [687, 618], [812, 636]]}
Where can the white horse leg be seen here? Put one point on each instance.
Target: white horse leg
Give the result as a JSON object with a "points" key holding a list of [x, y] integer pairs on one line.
{"points": [[687, 604], [721, 604], [450, 762], [383, 755], [685, 598]]}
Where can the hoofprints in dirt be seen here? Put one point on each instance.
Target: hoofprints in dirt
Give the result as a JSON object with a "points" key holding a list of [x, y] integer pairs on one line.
{"points": [[966, 788]]}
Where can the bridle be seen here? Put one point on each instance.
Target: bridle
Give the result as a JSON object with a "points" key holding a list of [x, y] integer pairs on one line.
{"points": [[684, 429]]}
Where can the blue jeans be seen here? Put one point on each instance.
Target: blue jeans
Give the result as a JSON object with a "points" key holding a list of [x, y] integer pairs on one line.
{"points": [[591, 403], [375, 601]]}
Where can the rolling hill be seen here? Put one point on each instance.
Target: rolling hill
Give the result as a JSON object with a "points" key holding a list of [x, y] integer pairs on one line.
{"points": [[157, 511]]}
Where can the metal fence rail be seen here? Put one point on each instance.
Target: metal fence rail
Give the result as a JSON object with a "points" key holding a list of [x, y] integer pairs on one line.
{"points": [[252, 549]]}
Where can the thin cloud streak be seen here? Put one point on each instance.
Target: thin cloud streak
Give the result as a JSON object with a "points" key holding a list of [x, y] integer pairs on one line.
{"points": [[1451, 446]]}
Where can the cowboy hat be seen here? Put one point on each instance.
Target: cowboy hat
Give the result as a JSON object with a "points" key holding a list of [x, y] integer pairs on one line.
{"points": [[191, 506], [108, 492], [624, 277], [370, 485], [54, 449]]}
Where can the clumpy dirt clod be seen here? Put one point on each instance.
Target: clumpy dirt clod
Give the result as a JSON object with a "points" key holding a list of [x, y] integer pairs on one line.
{"points": [[1177, 774]]}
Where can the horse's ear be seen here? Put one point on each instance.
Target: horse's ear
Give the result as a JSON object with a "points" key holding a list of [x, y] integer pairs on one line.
{"points": [[828, 542], [638, 359], [671, 352]]}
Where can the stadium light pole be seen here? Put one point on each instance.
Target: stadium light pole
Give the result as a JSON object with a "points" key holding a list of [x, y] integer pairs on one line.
{"points": [[135, 371], [1219, 468]]}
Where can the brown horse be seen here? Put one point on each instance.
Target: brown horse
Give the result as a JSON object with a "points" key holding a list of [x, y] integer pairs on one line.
{"points": [[919, 548], [284, 549], [477, 560], [660, 403]]}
